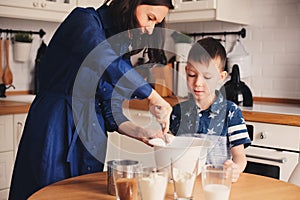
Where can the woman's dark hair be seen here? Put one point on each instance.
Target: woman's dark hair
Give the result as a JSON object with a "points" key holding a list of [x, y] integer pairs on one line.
{"points": [[123, 11], [206, 49]]}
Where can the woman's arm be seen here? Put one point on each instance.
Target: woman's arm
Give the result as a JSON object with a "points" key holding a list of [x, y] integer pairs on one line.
{"points": [[115, 120], [133, 130]]}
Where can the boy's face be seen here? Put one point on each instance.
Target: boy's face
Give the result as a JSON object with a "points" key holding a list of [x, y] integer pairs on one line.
{"points": [[202, 80]]}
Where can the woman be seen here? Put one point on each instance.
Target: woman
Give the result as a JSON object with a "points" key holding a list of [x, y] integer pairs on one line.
{"points": [[85, 76]]}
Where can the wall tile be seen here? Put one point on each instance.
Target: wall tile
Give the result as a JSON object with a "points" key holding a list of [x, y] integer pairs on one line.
{"points": [[293, 20], [261, 84], [273, 46], [262, 59], [289, 34], [261, 34], [287, 58], [291, 46], [287, 85]]}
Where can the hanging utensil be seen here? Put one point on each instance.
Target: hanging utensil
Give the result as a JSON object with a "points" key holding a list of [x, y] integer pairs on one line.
{"points": [[1, 69], [239, 56], [7, 78]]}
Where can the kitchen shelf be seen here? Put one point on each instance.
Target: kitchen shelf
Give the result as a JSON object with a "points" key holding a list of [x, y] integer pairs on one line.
{"points": [[45, 10], [233, 11]]}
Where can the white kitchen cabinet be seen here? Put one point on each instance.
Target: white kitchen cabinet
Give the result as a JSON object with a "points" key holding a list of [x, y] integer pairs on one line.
{"points": [[90, 3], [276, 136], [6, 167], [274, 146], [235, 11], [4, 194], [19, 122], [6, 133], [6, 153], [11, 128], [48, 10]]}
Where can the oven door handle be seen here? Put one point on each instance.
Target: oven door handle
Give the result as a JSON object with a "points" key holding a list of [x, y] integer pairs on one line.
{"points": [[281, 160]]}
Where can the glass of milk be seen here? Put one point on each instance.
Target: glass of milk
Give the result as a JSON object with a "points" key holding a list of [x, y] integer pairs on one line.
{"points": [[153, 184], [216, 182], [184, 180]]}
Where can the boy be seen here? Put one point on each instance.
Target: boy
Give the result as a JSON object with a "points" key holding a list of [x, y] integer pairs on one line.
{"points": [[207, 113]]}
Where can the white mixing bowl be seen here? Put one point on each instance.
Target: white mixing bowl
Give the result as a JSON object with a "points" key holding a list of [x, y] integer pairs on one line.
{"points": [[183, 151]]}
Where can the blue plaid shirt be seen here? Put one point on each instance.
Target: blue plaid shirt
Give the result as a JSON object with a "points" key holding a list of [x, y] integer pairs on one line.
{"points": [[222, 123]]}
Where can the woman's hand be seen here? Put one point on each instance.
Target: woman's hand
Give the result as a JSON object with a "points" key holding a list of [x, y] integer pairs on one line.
{"points": [[236, 171], [143, 134], [161, 109], [133, 130]]}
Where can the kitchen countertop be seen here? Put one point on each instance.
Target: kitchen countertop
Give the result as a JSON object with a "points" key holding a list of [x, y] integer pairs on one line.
{"points": [[275, 113], [13, 107], [28, 98], [275, 108], [265, 112], [15, 104]]}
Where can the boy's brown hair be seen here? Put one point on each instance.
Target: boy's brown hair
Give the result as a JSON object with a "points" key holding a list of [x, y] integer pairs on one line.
{"points": [[207, 49]]}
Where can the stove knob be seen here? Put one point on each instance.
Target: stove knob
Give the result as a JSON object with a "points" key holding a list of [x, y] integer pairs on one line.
{"points": [[263, 135]]}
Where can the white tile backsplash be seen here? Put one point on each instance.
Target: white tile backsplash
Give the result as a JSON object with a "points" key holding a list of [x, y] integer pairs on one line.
{"points": [[261, 84], [272, 39], [289, 85], [23, 73]]}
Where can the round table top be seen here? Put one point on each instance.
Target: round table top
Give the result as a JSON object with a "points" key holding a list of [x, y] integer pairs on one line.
{"points": [[93, 186]]}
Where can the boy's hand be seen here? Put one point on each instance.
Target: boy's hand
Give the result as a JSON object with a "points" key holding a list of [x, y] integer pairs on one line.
{"points": [[235, 169]]}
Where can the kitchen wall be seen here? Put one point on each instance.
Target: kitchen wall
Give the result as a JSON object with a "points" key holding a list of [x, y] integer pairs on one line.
{"points": [[272, 39], [23, 73]]}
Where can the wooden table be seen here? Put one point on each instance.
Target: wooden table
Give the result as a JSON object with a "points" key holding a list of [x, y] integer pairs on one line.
{"points": [[93, 186]]}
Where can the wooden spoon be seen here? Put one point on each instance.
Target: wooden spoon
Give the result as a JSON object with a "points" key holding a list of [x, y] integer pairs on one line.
{"points": [[1, 69], [7, 78]]}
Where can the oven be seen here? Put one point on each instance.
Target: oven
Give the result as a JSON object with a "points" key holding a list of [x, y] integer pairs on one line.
{"points": [[274, 151]]}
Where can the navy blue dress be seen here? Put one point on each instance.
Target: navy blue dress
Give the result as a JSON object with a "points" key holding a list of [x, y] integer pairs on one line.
{"points": [[83, 83]]}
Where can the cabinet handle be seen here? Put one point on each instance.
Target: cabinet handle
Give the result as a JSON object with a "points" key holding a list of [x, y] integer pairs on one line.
{"points": [[280, 160], [19, 131], [35, 4], [175, 3], [263, 135], [43, 5]]}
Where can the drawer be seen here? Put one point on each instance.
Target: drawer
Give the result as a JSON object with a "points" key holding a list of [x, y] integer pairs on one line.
{"points": [[6, 167], [19, 123], [4, 194], [6, 133], [277, 136]]}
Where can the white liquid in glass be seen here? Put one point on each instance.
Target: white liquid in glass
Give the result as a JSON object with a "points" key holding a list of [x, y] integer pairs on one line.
{"points": [[184, 182], [153, 187], [216, 192]]}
